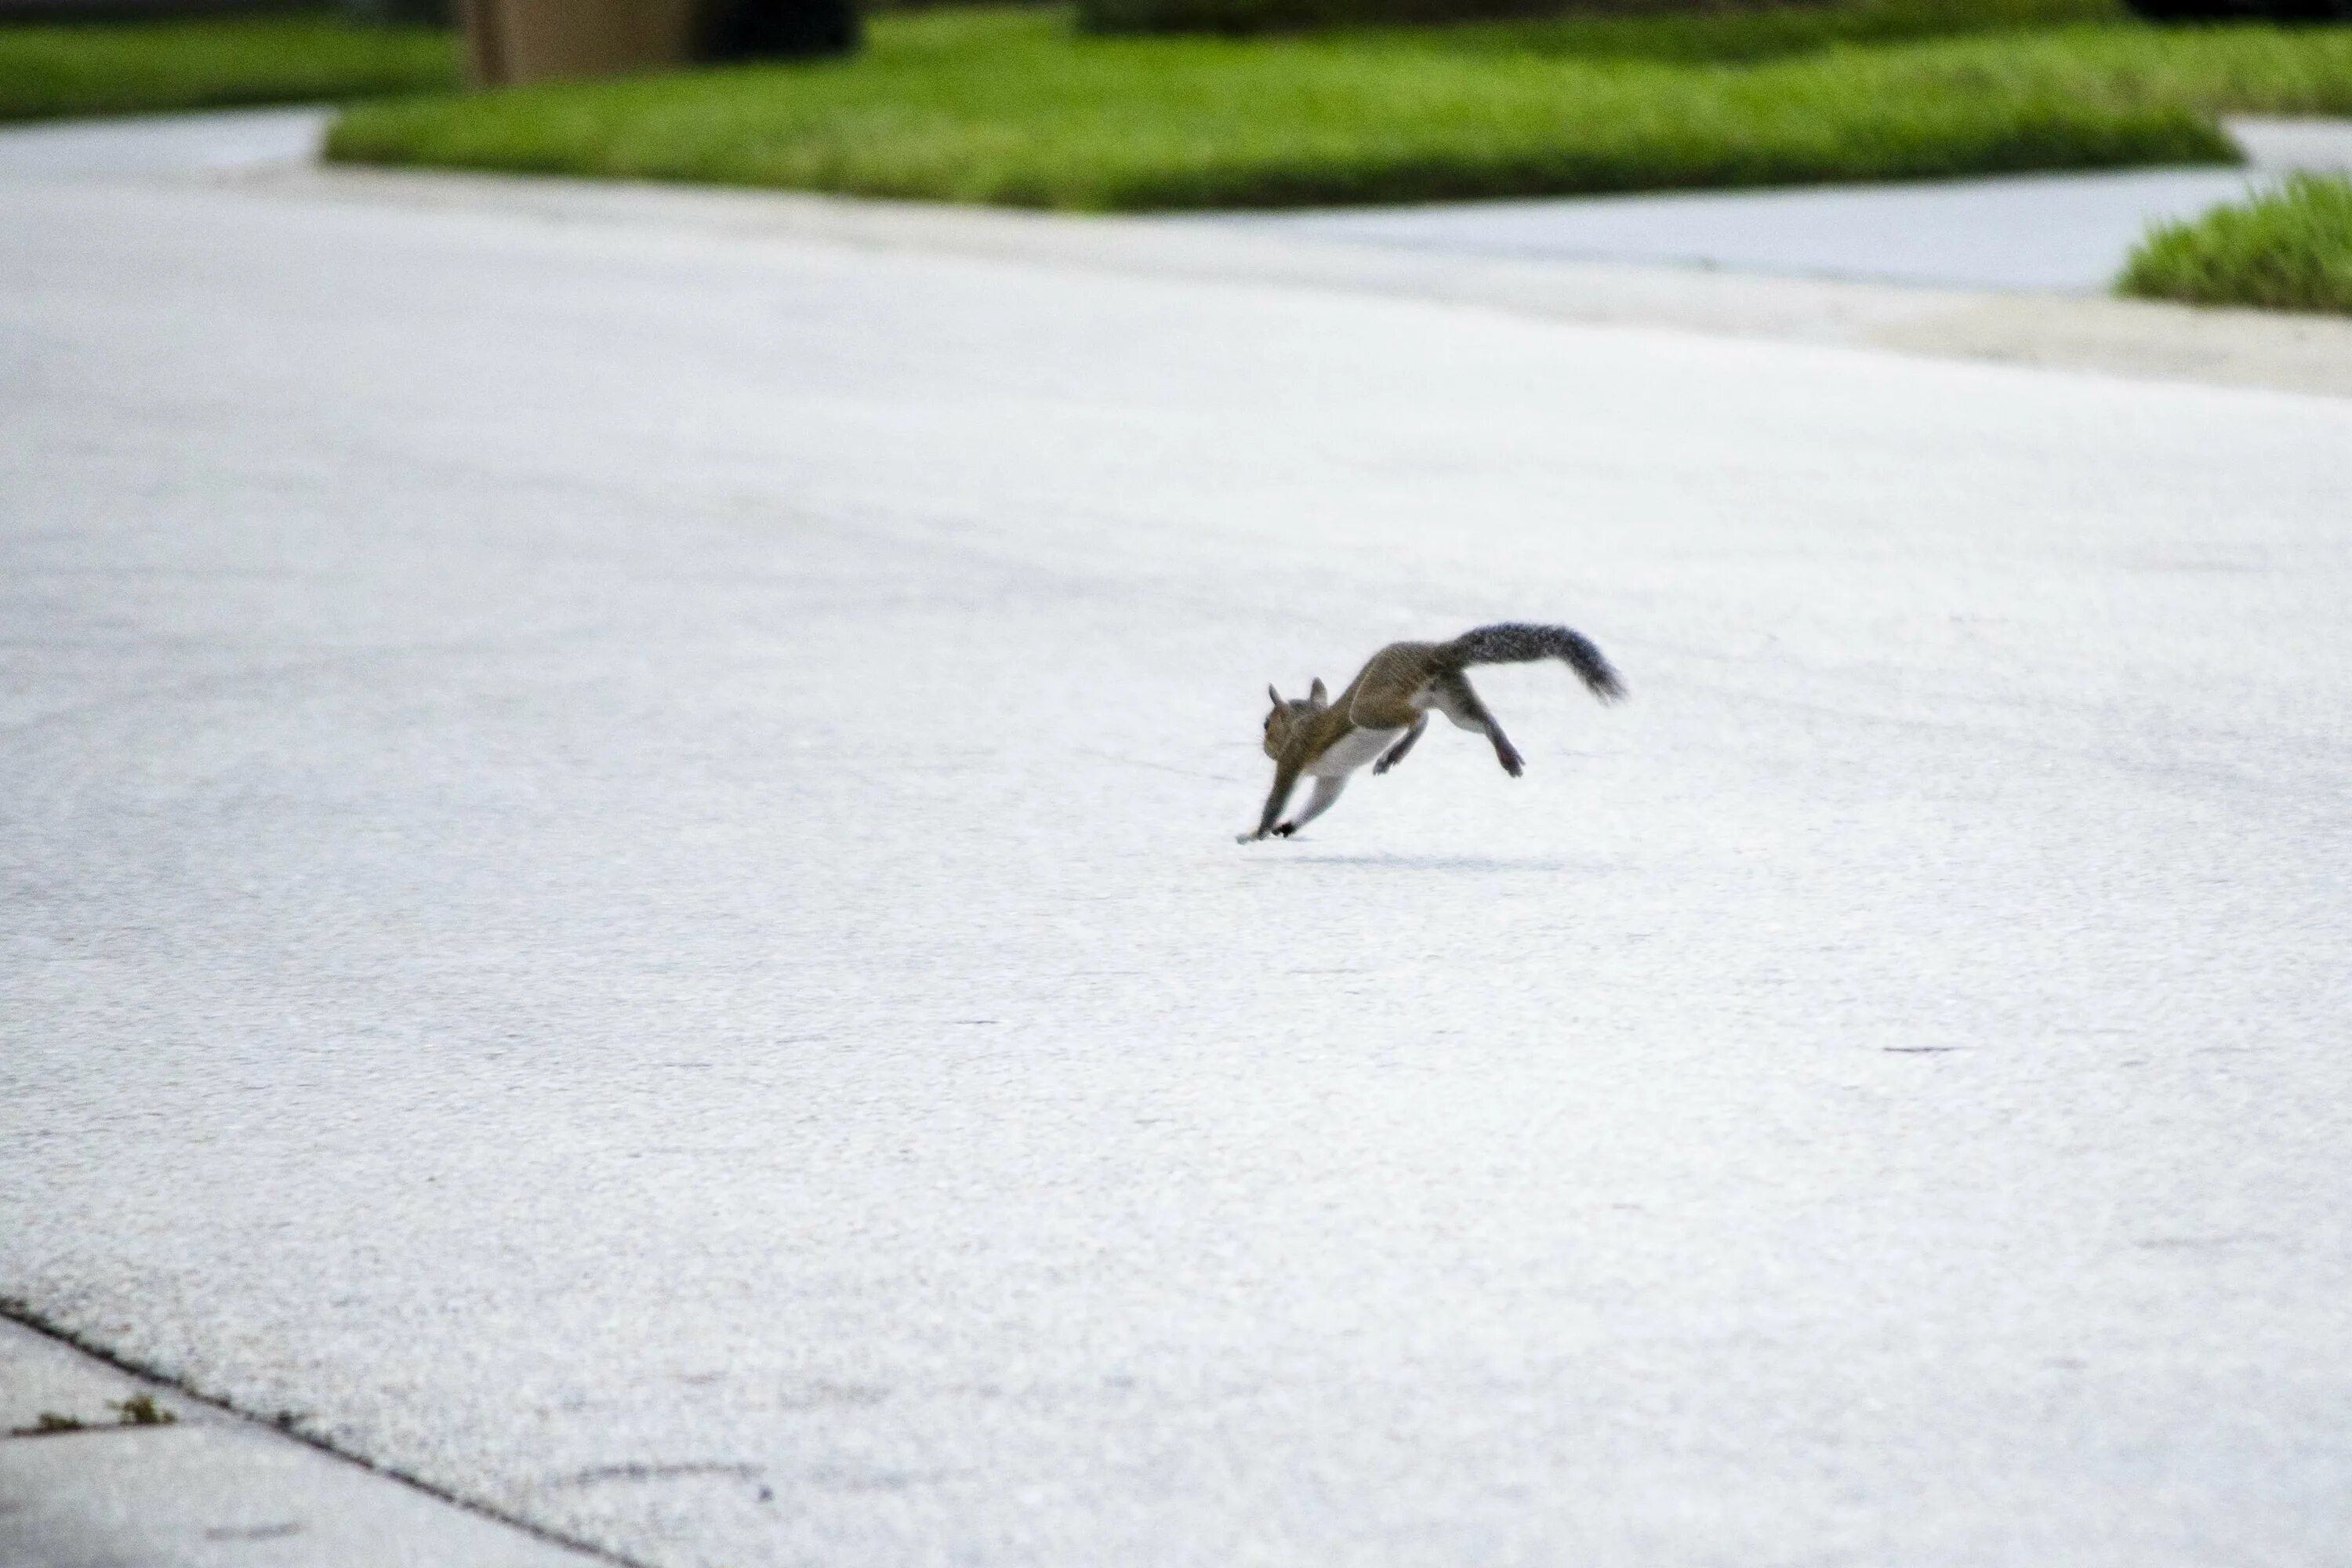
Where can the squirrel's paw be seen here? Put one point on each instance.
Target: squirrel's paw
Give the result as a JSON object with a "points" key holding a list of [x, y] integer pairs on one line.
{"points": [[1286, 830]]}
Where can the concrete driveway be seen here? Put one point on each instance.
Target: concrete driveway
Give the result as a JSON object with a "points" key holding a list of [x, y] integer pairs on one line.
{"points": [[617, 848], [2069, 232]]}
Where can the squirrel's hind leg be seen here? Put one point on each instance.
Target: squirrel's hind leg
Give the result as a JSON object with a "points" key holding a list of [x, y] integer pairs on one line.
{"points": [[1452, 695]]}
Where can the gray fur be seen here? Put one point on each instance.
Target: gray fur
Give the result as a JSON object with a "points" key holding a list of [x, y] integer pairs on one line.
{"points": [[1519, 642]]}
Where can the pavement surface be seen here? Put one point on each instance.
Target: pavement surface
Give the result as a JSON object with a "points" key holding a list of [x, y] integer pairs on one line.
{"points": [[197, 1488], [2022, 232], [617, 839]]}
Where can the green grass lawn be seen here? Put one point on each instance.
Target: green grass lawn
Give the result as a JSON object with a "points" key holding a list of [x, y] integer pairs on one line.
{"points": [[1015, 107], [2290, 249], [136, 67]]}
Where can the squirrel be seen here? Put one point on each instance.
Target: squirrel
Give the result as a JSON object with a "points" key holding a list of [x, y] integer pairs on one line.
{"points": [[1386, 707]]}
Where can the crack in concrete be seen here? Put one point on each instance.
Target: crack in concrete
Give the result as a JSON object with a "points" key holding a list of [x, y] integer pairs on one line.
{"points": [[22, 1312]]}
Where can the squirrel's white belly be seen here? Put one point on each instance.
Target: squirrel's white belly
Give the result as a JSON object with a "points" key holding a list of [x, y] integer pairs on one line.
{"points": [[1351, 751]]}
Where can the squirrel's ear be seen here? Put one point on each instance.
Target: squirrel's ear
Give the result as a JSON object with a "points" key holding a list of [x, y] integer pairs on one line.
{"points": [[1316, 694], [1270, 691]]}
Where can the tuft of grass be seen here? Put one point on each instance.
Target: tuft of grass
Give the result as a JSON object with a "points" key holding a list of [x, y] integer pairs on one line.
{"points": [[139, 1410], [1011, 108], [137, 68], [49, 1424], [2287, 249]]}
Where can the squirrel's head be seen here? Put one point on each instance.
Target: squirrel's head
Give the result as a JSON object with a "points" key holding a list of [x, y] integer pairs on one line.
{"points": [[1286, 716]]}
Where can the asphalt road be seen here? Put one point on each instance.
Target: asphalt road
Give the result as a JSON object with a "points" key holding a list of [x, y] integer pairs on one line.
{"points": [[619, 884]]}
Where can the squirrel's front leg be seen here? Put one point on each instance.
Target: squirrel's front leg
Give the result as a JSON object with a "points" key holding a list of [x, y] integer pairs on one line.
{"points": [[1286, 778], [1397, 752], [1327, 795]]}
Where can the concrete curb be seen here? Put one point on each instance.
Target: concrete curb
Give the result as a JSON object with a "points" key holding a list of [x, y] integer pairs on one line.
{"points": [[2305, 355]]}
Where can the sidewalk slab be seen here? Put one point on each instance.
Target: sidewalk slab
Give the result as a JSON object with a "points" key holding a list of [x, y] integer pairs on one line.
{"points": [[2024, 232], [2011, 233], [209, 1490], [2274, 142], [164, 143]]}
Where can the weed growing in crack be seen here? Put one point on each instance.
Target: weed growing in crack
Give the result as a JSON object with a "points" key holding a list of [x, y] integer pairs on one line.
{"points": [[48, 1424], [139, 1410]]}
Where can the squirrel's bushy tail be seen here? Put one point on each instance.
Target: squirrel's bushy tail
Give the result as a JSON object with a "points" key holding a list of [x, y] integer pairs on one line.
{"points": [[1514, 642]]}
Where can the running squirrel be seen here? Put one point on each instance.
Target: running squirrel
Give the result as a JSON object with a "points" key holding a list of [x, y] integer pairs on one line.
{"points": [[1386, 707]]}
